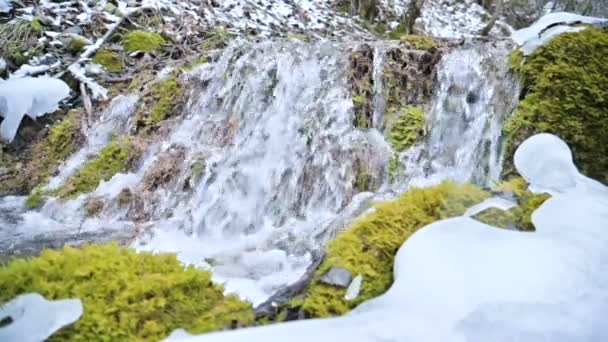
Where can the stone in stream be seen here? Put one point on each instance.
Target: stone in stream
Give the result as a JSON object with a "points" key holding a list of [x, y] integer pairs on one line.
{"points": [[337, 276]]}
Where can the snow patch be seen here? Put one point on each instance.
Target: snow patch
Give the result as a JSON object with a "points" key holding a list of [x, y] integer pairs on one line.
{"points": [[29, 96], [35, 318]]}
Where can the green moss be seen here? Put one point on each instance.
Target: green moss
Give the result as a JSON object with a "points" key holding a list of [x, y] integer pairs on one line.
{"points": [[35, 199], [393, 167], [519, 217], [36, 25], [407, 129], [566, 94], [516, 59], [167, 95], [363, 182], [19, 40], [497, 217], [142, 41], [127, 296], [76, 44], [112, 159], [368, 247], [418, 42], [111, 61]]}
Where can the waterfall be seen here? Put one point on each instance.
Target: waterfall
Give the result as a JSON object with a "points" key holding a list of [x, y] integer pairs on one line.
{"points": [[475, 94], [264, 160]]}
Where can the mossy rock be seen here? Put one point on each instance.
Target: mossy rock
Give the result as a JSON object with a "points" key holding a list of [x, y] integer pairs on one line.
{"points": [[76, 43], [168, 94], [127, 296], [115, 157], [407, 128], [520, 216], [368, 247], [418, 42], [109, 60], [566, 93], [19, 40], [142, 41]]}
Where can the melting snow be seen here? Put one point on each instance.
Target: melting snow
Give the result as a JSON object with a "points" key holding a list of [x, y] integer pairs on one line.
{"points": [[35, 318]]}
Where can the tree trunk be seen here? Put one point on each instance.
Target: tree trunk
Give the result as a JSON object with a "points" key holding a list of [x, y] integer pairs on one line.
{"points": [[497, 13]]}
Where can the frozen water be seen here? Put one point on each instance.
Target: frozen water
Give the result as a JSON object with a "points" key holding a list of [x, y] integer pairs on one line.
{"points": [[479, 283], [29, 96], [34, 318], [549, 26]]}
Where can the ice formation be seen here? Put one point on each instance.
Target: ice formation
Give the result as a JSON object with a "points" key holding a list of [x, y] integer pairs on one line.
{"points": [[29, 96], [34, 318], [479, 283], [549, 26]]}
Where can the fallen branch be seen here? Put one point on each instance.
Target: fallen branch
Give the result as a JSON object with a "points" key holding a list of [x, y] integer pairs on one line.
{"points": [[88, 108]]}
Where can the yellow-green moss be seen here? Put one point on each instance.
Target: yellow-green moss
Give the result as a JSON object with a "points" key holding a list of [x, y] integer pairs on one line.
{"points": [[36, 25], [368, 247], [111, 61], [127, 296], [35, 199], [519, 217], [393, 167], [112, 159], [76, 44], [407, 129], [566, 93], [142, 41], [167, 93], [418, 42]]}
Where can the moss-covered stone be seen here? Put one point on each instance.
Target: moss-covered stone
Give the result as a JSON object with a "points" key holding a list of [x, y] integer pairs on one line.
{"points": [[109, 60], [76, 44], [142, 41], [566, 93], [519, 217], [407, 129], [368, 247], [127, 296], [115, 157], [167, 93], [418, 42]]}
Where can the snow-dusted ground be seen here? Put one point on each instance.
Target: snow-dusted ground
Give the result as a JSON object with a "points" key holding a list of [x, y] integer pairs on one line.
{"points": [[479, 283]]}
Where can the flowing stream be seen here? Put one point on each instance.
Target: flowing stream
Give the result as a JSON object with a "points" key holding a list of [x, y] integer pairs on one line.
{"points": [[263, 162]]}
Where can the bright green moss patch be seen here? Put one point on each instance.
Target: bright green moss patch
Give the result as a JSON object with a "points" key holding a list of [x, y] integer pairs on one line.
{"points": [[167, 94], [407, 128], [112, 159], [497, 218], [109, 60], [142, 41], [566, 93], [127, 296], [368, 247]]}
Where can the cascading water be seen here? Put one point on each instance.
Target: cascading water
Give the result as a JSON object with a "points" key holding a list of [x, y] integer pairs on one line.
{"points": [[264, 160], [476, 93]]}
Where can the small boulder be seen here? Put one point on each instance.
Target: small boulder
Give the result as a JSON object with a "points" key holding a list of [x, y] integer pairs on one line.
{"points": [[337, 276]]}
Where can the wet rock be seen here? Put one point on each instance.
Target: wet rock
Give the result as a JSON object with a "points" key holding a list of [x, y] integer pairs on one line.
{"points": [[337, 276]]}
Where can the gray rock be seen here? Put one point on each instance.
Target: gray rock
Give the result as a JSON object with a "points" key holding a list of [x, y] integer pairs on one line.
{"points": [[337, 276], [508, 195]]}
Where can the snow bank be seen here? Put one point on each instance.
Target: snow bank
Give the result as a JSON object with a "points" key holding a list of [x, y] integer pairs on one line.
{"points": [[35, 318], [29, 96], [549, 26], [478, 283]]}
